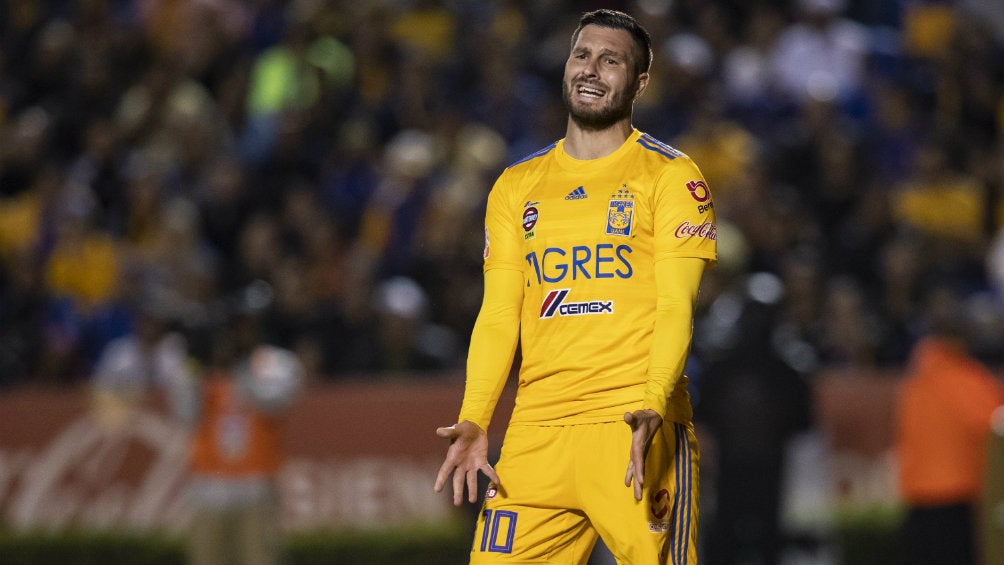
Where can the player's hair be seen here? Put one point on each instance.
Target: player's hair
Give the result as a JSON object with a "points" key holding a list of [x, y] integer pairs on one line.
{"points": [[619, 20]]}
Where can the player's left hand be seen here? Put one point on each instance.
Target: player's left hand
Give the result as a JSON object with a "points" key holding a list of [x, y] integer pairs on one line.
{"points": [[644, 424], [466, 456]]}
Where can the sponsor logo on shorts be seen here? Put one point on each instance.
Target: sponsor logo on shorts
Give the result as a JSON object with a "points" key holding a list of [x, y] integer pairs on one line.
{"points": [[659, 504], [658, 527]]}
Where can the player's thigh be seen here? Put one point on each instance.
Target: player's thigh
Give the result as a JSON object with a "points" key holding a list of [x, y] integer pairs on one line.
{"points": [[661, 527], [532, 516], [512, 534]]}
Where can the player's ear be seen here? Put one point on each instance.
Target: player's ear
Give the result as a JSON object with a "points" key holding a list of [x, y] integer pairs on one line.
{"points": [[642, 85]]}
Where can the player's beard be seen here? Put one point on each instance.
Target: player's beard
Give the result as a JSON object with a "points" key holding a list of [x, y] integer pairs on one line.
{"points": [[616, 109]]}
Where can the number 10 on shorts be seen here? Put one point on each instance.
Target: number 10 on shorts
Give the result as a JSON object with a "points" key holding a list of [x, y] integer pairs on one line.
{"points": [[499, 531]]}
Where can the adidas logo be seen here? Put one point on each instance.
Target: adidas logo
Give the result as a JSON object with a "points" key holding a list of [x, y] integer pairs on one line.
{"points": [[577, 194]]}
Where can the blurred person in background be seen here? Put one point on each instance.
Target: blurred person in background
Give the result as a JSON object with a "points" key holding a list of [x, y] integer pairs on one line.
{"points": [[943, 423], [594, 252], [992, 502], [821, 56], [185, 87], [449, 232], [132, 370], [23, 308], [235, 410], [945, 203], [753, 403], [84, 270], [406, 339], [164, 79]]}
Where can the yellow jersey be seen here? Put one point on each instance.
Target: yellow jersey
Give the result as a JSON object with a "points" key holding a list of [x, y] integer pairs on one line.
{"points": [[586, 235]]}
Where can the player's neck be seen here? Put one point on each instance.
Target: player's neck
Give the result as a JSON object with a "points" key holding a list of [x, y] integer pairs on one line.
{"points": [[592, 144]]}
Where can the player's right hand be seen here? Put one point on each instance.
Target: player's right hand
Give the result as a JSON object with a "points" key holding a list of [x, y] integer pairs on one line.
{"points": [[644, 424], [467, 454]]}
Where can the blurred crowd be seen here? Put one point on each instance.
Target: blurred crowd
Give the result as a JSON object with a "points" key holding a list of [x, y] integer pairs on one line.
{"points": [[328, 162]]}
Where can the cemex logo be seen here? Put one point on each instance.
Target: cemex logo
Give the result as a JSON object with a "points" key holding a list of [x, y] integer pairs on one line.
{"points": [[554, 305]]}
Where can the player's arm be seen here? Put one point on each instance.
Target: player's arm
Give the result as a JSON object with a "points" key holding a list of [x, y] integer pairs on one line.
{"points": [[493, 344], [677, 280], [685, 243]]}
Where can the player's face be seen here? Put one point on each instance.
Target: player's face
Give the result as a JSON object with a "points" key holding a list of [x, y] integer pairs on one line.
{"points": [[600, 84]]}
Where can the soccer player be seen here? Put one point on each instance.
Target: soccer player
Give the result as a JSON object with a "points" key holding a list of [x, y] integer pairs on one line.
{"points": [[594, 251]]}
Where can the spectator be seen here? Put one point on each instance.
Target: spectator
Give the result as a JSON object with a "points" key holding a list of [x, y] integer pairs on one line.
{"points": [[821, 56], [172, 100], [823, 109], [150, 360], [752, 403], [943, 417], [236, 410]]}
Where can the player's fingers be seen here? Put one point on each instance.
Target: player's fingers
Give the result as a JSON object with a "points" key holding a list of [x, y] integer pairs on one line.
{"points": [[629, 476], [489, 472], [449, 432], [458, 487], [472, 485], [444, 471], [639, 471], [629, 418], [638, 468], [638, 454]]}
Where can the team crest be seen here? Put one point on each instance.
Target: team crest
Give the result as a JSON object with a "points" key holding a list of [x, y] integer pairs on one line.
{"points": [[620, 214]]}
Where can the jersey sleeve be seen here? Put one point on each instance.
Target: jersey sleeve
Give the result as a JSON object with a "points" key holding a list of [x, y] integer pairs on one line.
{"points": [[502, 240], [493, 345], [677, 282], [496, 330], [684, 214], [685, 244]]}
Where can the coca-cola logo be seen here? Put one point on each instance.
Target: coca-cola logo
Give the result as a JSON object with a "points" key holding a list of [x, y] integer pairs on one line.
{"points": [[706, 230]]}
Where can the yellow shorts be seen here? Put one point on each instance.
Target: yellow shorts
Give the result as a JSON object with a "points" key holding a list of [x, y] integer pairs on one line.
{"points": [[561, 486]]}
